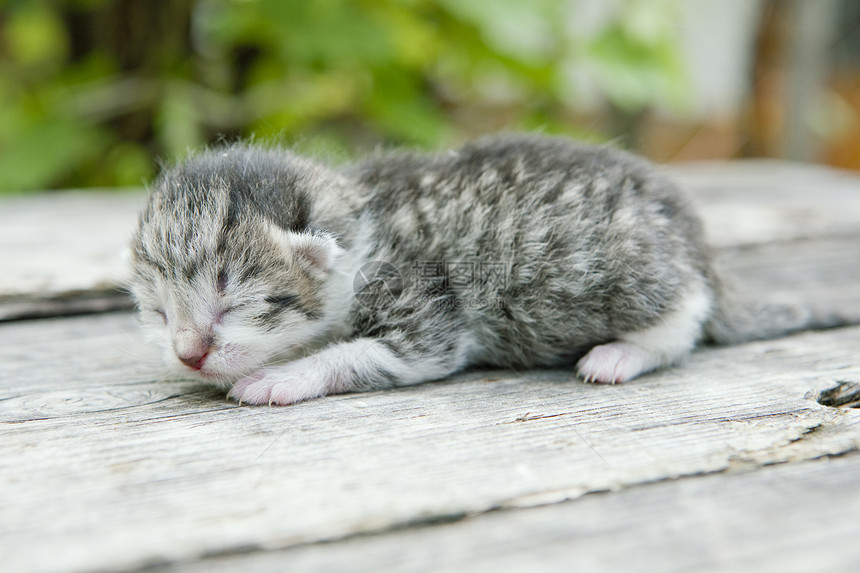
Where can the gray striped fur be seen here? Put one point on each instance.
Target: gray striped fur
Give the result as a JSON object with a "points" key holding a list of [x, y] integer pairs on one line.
{"points": [[512, 251]]}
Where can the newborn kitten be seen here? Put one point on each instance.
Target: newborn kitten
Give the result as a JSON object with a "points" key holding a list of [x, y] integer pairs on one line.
{"points": [[285, 280]]}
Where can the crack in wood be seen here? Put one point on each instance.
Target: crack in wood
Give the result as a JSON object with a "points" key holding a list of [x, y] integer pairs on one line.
{"points": [[527, 417], [723, 419]]}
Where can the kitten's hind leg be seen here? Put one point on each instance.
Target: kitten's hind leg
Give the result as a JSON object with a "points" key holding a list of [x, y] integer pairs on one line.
{"points": [[663, 344]]}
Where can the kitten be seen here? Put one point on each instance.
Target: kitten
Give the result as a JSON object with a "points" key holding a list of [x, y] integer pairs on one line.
{"points": [[285, 280]]}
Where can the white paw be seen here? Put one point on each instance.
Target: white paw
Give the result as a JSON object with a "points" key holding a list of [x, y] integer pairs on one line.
{"points": [[282, 385], [612, 363]]}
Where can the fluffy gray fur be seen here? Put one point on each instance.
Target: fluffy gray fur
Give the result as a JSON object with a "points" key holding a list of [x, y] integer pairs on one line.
{"points": [[513, 251]]}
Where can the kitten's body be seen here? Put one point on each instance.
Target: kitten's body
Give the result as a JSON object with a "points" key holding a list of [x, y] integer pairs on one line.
{"points": [[512, 251]]}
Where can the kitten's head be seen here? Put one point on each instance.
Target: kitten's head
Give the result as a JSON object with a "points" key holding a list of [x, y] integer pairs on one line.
{"points": [[227, 273]]}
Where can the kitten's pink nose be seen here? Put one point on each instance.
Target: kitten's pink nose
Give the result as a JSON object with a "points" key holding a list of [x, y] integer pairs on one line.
{"points": [[191, 348], [194, 361]]}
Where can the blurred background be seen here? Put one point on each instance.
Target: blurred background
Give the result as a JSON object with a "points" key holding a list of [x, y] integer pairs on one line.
{"points": [[95, 92]]}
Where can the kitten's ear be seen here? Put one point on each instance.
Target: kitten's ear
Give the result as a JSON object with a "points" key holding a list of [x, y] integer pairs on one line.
{"points": [[318, 249]]}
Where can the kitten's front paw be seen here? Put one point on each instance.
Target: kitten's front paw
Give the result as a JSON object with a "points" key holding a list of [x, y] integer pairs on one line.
{"points": [[612, 363], [281, 385]]}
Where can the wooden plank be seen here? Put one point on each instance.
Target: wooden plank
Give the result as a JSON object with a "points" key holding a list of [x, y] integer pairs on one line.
{"points": [[762, 201], [62, 251], [823, 273], [790, 517], [112, 469]]}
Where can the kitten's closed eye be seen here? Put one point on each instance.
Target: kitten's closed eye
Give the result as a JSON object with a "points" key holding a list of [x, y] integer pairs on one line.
{"points": [[232, 307], [157, 312], [283, 300]]}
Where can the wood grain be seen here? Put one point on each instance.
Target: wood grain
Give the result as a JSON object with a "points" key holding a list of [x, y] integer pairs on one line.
{"points": [[764, 201], [62, 253], [113, 469], [785, 518]]}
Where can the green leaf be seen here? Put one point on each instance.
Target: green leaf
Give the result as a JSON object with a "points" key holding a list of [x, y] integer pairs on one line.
{"points": [[35, 36]]}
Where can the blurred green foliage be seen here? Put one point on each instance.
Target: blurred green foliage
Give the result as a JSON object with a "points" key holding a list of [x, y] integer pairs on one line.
{"points": [[92, 92]]}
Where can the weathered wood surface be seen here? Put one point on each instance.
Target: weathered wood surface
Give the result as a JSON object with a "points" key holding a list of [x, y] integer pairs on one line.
{"points": [[755, 202], [62, 253], [785, 518], [113, 470], [104, 467]]}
